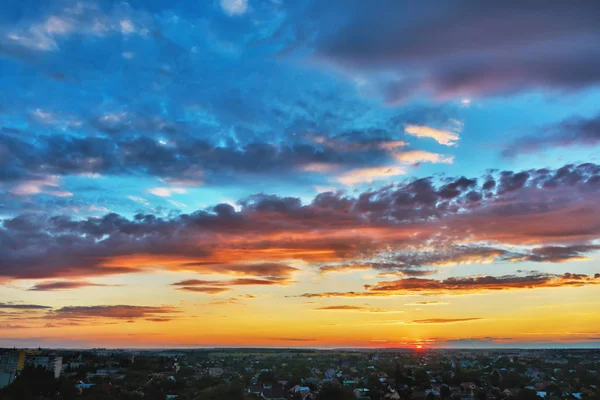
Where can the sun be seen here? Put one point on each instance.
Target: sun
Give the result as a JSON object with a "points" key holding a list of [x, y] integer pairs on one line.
{"points": [[419, 346]]}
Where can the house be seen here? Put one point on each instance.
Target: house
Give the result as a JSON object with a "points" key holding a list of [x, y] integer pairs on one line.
{"points": [[81, 386], [273, 394], [255, 390], [468, 387], [299, 388], [215, 372], [362, 394]]}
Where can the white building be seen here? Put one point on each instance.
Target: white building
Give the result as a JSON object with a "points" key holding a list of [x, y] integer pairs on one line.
{"points": [[51, 363]]}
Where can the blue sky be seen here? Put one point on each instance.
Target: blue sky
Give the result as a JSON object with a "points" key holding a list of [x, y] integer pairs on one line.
{"points": [[129, 126]]}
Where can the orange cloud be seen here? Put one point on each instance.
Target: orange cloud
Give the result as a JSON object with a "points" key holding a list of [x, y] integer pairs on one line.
{"points": [[368, 175], [410, 286], [355, 308], [116, 311], [417, 156], [204, 289], [444, 320], [447, 138], [483, 283]]}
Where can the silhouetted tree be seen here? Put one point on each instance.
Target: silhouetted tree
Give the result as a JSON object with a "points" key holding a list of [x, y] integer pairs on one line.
{"points": [[332, 392]]}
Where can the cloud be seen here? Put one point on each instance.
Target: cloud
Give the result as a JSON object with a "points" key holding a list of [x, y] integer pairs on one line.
{"points": [[113, 312], [574, 131], [32, 187], [433, 51], [426, 303], [234, 7], [340, 308], [271, 270], [419, 262], [551, 214], [86, 19], [12, 326], [187, 159], [482, 283], [65, 285], [166, 192], [327, 295], [355, 308], [139, 200], [216, 287], [557, 254], [231, 282], [204, 289], [464, 285], [417, 156], [20, 306], [444, 320], [447, 138], [368, 175]]}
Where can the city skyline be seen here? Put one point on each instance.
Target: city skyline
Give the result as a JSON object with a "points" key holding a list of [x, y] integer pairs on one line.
{"points": [[245, 173]]}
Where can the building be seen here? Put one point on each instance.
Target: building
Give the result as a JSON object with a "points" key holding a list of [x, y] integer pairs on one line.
{"points": [[11, 364], [215, 372], [50, 362]]}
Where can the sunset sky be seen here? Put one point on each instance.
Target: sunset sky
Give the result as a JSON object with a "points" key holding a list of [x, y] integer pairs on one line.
{"points": [[339, 173]]}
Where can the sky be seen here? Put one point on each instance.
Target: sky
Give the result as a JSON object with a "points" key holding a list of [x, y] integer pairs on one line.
{"points": [[284, 173]]}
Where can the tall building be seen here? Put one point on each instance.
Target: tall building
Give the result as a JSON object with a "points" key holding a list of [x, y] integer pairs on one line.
{"points": [[11, 363], [50, 362]]}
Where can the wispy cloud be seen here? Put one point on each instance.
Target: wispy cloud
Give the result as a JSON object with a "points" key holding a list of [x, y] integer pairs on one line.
{"points": [[444, 320], [445, 137], [66, 285]]}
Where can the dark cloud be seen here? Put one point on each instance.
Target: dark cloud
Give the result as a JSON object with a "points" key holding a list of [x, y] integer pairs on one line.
{"points": [[65, 285], [463, 48], [19, 306], [465, 285], [542, 207], [418, 262], [12, 326], [482, 283], [116, 311], [204, 289], [272, 270], [187, 158], [557, 254], [575, 131], [217, 287]]}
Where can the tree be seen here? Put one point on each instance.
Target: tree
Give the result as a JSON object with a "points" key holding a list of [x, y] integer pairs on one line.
{"points": [[32, 383], [445, 392], [332, 392], [222, 392], [481, 395], [527, 394]]}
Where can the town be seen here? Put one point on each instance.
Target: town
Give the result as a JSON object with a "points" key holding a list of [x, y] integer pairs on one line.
{"points": [[300, 374]]}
